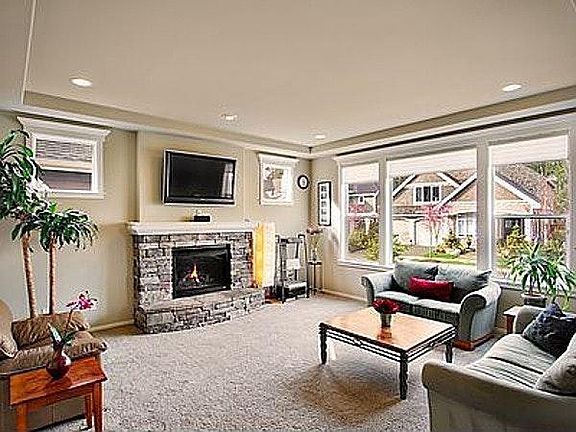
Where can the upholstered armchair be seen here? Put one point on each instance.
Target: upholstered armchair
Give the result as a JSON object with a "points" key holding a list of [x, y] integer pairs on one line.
{"points": [[25, 345]]}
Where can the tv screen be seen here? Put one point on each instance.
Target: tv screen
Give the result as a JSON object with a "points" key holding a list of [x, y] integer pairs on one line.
{"points": [[198, 179]]}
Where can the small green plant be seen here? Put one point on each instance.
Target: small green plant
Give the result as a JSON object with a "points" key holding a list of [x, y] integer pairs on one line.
{"points": [[398, 248]]}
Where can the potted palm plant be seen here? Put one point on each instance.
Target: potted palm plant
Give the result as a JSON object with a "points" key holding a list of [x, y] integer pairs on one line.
{"points": [[58, 229], [21, 196], [541, 276]]}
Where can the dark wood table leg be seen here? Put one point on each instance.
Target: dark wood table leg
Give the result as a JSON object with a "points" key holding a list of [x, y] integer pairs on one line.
{"points": [[97, 401], [509, 324], [323, 345], [403, 376], [88, 410], [21, 413], [449, 353]]}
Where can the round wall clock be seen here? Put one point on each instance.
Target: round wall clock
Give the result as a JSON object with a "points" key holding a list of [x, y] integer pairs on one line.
{"points": [[303, 181]]}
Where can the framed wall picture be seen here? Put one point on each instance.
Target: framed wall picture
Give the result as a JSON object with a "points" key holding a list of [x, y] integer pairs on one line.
{"points": [[276, 179], [325, 203]]}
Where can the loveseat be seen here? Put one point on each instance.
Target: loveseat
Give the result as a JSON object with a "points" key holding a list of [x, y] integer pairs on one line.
{"points": [[499, 392], [25, 345], [471, 307]]}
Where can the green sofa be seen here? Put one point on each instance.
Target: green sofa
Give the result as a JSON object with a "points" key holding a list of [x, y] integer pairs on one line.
{"points": [[498, 392], [472, 306]]}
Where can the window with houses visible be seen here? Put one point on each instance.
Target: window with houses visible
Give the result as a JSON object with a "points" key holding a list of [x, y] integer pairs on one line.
{"points": [[70, 157], [433, 205], [360, 192], [427, 194], [530, 198]]}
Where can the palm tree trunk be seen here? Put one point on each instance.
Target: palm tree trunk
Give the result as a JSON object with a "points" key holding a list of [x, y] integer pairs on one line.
{"points": [[52, 277], [30, 285]]}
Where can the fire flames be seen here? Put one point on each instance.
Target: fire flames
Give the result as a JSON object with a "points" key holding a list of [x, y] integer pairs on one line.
{"points": [[193, 276]]}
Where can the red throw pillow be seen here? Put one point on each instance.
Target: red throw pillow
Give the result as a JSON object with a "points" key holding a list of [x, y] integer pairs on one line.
{"points": [[436, 290]]}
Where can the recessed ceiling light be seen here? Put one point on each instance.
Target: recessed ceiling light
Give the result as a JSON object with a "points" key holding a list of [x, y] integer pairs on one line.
{"points": [[230, 117], [511, 87], [81, 82], [320, 136]]}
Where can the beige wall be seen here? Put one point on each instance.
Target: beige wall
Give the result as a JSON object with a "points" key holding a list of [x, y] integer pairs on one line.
{"points": [[150, 147], [105, 268], [133, 193]]}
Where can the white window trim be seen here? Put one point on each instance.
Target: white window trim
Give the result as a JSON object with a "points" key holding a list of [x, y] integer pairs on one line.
{"points": [[422, 186], [481, 141], [48, 130]]}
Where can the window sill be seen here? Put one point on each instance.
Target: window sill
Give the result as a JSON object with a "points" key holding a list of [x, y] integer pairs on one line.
{"points": [[77, 195], [363, 265]]}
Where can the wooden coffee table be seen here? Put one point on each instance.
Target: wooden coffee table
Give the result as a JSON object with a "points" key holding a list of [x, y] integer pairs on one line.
{"points": [[408, 338], [35, 389]]}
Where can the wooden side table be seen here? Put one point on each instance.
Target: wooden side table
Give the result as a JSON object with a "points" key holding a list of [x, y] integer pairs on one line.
{"points": [[32, 390], [510, 315]]}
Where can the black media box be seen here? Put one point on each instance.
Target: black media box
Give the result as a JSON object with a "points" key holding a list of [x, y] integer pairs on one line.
{"points": [[201, 218]]}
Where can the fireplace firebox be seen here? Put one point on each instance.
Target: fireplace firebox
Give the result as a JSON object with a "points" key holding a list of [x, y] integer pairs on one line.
{"points": [[200, 270]]}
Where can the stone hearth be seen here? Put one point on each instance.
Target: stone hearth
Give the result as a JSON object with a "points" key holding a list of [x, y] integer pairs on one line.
{"points": [[155, 308]]}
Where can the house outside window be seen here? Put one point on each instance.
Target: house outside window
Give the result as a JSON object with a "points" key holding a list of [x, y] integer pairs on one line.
{"points": [[360, 191], [70, 157], [531, 198], [433, 200]]}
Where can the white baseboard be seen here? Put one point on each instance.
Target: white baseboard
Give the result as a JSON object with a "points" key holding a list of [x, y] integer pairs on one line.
{"points": [[111, 325], [345, 295]]}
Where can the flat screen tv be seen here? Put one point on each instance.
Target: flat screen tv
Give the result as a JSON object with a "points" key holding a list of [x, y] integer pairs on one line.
{"points": [[198, 179]]}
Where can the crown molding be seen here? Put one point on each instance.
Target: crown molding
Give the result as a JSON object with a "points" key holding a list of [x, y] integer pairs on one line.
{"points": [[541, 103], [56, 108]]}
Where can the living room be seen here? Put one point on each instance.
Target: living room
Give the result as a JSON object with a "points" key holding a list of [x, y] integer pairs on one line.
{"points": [[362, 151]]}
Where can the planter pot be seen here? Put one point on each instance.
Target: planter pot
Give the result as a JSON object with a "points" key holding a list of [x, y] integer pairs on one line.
{"points": [[534, 300], [60, 363], [385, 320]]}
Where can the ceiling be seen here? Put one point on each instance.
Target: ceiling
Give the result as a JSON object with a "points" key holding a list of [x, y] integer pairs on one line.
{"points": [[291, 69]]}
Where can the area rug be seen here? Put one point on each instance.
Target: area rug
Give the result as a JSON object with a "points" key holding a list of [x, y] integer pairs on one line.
{"points": [[258, 372]]}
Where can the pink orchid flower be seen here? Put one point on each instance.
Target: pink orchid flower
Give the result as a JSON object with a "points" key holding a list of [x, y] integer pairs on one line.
{"points": [[84, 302]]}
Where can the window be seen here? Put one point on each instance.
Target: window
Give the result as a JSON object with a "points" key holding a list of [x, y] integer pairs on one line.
{"points": [[360, 191], [434, 208], [70, 157], [530, 197], [427, 194], [508, 189]]}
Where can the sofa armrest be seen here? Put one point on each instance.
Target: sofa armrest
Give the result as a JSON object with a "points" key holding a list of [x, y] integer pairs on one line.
{"points": [[511, 404], [525, 316], [481, 298], [375, 283]]}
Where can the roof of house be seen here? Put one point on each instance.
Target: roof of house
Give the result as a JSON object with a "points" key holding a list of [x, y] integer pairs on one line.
{"points": [[523, 181]]}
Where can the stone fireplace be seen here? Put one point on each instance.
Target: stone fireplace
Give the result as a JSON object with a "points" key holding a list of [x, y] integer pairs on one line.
{"points": [[191, 274]]}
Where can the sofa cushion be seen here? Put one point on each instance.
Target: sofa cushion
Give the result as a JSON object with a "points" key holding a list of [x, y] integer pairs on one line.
{"points": [[84, 345], [515, 360], [34, 332], [403, 270], [560, 378], [437, 310], [8, 347], [465, 280], [435, 290], [551, 330]]}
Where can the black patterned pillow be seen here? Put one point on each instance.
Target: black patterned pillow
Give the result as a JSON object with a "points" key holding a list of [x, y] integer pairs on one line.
{"points": [[552, 330]]}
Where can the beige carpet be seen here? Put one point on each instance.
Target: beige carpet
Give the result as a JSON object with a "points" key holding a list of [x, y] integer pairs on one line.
{"points": [[259, 372]]}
